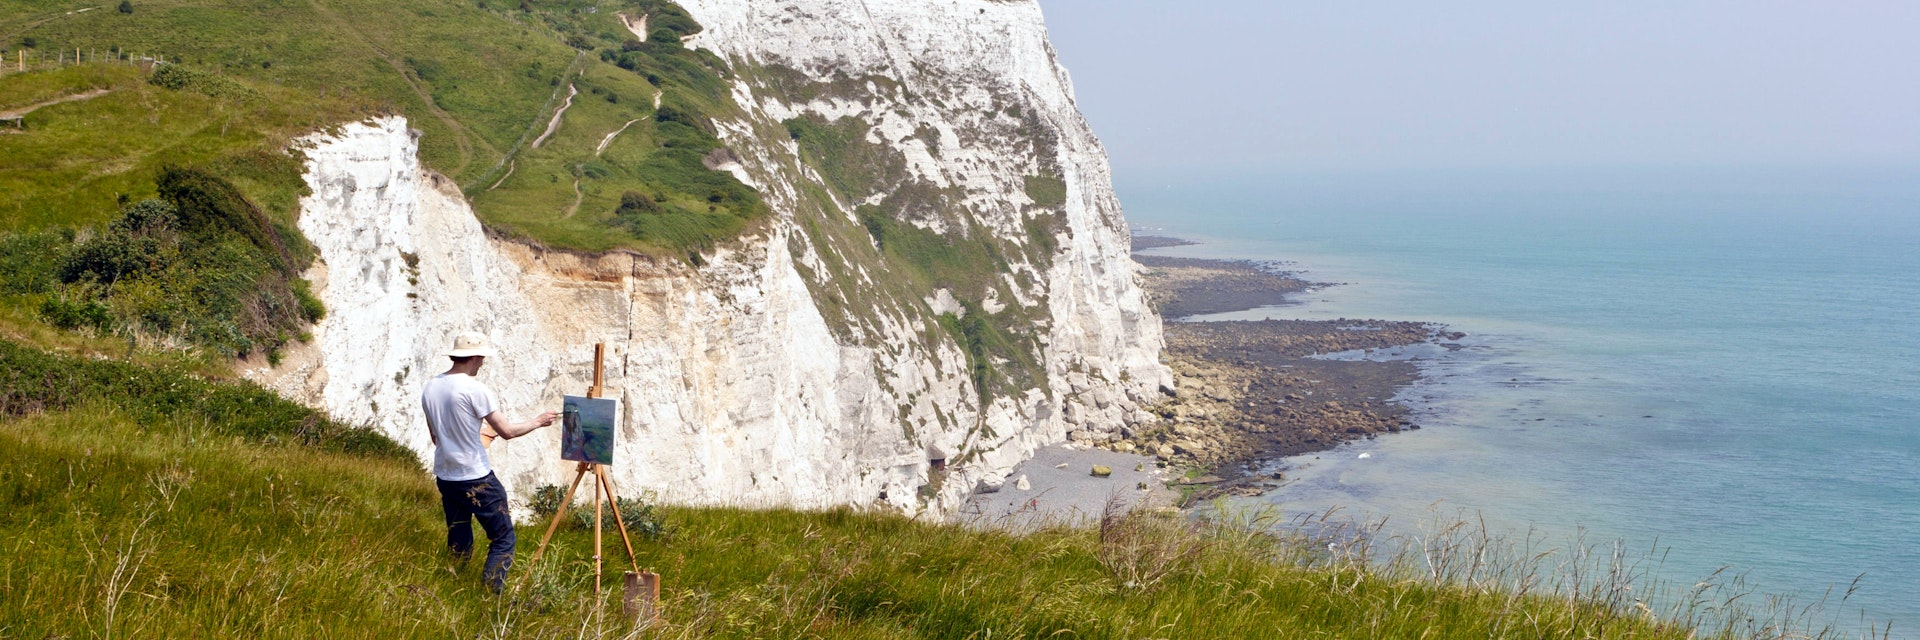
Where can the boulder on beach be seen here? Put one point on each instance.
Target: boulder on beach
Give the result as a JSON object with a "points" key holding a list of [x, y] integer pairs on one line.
{"points": [[1102, 471]]}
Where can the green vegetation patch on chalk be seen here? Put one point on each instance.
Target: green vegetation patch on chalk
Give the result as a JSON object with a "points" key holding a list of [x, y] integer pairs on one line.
{"points": [[1047, 191], [965, 259]]}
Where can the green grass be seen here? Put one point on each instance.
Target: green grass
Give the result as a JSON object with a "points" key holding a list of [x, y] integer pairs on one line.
{"points": [[967, 260], [33, 381], [147, 502], [78, 158], [481, 80], [126, 527]]}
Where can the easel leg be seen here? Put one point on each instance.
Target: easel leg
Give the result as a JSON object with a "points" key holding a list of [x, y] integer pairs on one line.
{"points": [[598, 489], [580, 472], [614, 497], [641, 593]]}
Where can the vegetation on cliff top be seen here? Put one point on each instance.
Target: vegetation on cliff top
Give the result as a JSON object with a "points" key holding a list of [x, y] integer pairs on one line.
{"points": [[208, 136], [482, 81]]}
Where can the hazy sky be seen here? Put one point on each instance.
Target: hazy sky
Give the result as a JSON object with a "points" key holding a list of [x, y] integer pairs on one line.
{"points": [[1345, 85]]}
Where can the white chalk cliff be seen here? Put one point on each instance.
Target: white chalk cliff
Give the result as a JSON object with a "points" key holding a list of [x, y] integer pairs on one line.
{"points": [[736, 387]]}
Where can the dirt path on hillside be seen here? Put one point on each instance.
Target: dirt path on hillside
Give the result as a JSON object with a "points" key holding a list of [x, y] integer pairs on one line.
{"points": [[554, 124], [503, 177], [609, 139], [22, 111], [15, 31]]}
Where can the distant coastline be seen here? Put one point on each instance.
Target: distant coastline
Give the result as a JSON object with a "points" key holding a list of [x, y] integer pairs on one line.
{"points": [[1251, 392]]}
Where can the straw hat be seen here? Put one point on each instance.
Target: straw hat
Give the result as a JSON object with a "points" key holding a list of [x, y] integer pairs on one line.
{"points": [[471, 343]]}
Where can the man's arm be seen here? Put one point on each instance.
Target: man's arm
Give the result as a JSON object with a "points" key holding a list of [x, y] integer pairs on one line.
{"points": [[510, 430]]}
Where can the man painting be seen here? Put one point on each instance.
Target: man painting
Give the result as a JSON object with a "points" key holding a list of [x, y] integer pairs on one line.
{"points": [[462, 418]]}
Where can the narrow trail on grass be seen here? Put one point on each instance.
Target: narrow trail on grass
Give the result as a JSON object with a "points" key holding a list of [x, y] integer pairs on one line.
{"points": [[554, 124], [513, 152], [14, 31], [578, 196], [504, 176], [609, 139], [89, 95]]}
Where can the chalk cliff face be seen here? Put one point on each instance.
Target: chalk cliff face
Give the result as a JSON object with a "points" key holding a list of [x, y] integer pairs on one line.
{"points": [[795, 366]]}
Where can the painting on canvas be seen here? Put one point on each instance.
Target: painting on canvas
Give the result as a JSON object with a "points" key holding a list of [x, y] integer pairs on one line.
{"points": [[587, 429]]}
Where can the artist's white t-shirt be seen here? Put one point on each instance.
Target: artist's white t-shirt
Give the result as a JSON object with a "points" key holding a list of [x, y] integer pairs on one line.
{"points": [[456, 406]]}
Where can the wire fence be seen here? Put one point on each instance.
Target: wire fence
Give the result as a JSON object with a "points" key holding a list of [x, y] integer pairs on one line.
{"points": [[22, 60]]}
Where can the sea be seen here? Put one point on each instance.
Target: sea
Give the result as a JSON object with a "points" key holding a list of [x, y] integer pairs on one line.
{"points": [[1721, 367]]}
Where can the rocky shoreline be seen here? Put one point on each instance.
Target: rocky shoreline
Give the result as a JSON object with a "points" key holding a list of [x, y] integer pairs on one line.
{"points": [[1249, 392], [1185, 287]]}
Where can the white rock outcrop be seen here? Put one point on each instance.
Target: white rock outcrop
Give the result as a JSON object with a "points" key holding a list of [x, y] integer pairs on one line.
{"points": [[736, 388]]}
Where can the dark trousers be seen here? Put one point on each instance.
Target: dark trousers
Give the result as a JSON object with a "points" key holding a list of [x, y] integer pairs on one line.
{"points": [[484, 499]]}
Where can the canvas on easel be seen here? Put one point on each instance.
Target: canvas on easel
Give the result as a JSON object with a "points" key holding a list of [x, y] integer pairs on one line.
{"points": [[587, 427]]}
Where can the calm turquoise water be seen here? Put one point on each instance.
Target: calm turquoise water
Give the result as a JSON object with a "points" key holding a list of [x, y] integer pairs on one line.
{"points": [[1727, 363]]}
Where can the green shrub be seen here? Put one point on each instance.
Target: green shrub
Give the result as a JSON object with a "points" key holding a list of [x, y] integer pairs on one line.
{"points": [[149, 216], [66, 313], [209, 205], [876, 223], [111, 256], [634, 202], [664, 38], [665, 15], [310, 307], [672, 111], [640, 517], [205, 265], [182, 78]]}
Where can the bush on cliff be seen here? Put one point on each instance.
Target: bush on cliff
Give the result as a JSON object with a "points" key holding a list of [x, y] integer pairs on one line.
{"points": [[201, 264]]}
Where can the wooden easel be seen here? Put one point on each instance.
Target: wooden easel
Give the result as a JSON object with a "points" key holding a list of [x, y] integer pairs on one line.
{"points": [[642, 588]]}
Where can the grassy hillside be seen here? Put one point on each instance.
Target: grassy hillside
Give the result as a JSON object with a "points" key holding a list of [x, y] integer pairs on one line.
{"points": [[146, 501], [167, 528], [481, 80]]}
